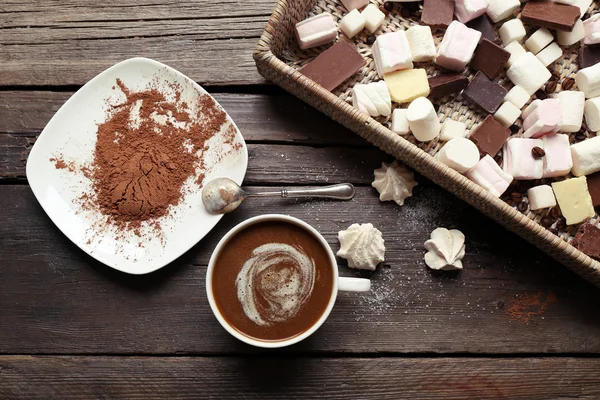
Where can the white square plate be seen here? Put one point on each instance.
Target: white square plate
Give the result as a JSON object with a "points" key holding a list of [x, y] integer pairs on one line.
{"points": [[71, 135]]}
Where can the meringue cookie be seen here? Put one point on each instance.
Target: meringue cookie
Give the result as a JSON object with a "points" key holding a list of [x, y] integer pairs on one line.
{"points": [[394, 182], [446, 249], [362, 245]]}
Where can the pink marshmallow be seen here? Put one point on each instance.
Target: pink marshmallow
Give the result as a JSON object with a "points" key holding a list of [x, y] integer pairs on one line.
{"points": [[457, 47], [520, 162], [545, 119], [591, 26], [466, 10], [557, 161], [354, 4], [490, 176], [316, 31], [391, 52]]}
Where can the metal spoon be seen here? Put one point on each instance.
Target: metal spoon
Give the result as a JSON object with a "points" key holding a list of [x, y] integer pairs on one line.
{"points": [[222, 195]]}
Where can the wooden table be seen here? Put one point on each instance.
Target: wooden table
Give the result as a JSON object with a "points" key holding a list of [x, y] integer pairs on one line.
{"points": [[512, 324]]}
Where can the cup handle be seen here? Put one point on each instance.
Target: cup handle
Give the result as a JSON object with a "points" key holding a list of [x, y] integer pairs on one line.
{"points": [[354, 284]]}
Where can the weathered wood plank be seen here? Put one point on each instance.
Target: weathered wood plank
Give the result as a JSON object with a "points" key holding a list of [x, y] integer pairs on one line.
{"points": [[55, 299], [297, 378]]}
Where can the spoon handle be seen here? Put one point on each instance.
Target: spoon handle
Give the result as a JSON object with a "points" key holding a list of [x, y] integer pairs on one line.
{"points": [[342, 191]]}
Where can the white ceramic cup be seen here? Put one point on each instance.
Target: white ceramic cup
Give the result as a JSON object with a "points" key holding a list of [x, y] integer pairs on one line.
{"points": [[339, 283]]}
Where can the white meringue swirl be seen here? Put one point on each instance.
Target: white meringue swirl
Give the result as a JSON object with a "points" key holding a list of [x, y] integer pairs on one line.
{"points": [[275, 283], [362, 245], [394, 182]]}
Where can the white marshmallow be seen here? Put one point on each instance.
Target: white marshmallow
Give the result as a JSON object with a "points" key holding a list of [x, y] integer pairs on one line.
{"points": [[570, 38], [569, 2], [467, 10], [572, 104], [352, 23], [518, 97], [490, 176], [583, 5], [507, 114], [315, 31], [550, 54], [588, 81], [502, 9], [452, 129], [391, 52], [512, 31], [586, 156], [423, 120], [529, 73], [516, 51], [373, 17], [530, 108], [592, 114], [557, 161], [541, 197], [373, 98], [519, 160], [543, 120], [460, 154], [539, 40], [421, 43], [354, 4], [400, 122], [457, 47], [591, 27]]}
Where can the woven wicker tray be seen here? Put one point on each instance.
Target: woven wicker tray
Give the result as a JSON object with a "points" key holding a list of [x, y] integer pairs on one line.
{"points": [[278, 59]]}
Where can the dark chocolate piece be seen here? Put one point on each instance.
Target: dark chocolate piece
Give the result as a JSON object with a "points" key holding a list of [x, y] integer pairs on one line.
{"points": [[489, 58], [548, 14], [593, 182], [437, 13], [589, 55], [587, 240], [485, 93], [334, 65], [443, 85], [490, 136], [483, 25]]}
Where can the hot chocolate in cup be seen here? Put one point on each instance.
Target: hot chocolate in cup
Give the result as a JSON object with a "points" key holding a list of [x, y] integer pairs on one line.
{"points": [[272, 281]]}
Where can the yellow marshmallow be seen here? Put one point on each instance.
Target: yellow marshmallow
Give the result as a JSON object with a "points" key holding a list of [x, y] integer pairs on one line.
{"points": [[574, 199]]}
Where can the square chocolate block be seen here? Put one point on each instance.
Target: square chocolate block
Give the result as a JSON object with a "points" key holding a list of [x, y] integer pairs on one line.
{"points": [[490, 136], [437, 13], [483, 25], [489, 58], [485, 93], [589, 55]]}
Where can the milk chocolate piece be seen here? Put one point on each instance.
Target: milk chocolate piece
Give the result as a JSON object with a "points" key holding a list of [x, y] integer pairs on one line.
{"points": [[437, 13], [483, 25], [593, 182], [490, 136], [334, 65], [588, 55], [587, 240], [549, 14], [489, 59], [445, 84], [485, 93]]}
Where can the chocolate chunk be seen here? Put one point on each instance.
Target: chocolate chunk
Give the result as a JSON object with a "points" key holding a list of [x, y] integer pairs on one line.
{"points": [[551, 15], [587, 240], [489, 58], [485, 93], [593, 182], [445, 84], [589, 55], [437, 13], [490, 136], [334, 65], [483, 25]]}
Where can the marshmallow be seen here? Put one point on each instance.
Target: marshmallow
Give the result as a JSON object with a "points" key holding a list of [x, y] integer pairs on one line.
{"points": [[539, 40], [574, 200], [529, 73], [352, 23], [407, 85], [588, 81], [490, 176], [550, 54], [557, 160], [507, 114], [543, 120], [516, 51], [541, 197], [583, 5], [420, 40], [565, 38], [530, 108], [586, 156], [457, 47], [518, 97], [400, 122], [592, 114], [519, 160], [391, 52], [316, 31], [452, 129], [372, 99], [354, 4], [460, 154], [423, 120], [572, 104], [512, 31], [591, 27], [466, 10], [373, 17], [502, 9]]}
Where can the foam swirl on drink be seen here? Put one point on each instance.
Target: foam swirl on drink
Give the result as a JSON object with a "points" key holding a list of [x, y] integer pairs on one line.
{"points": [[274, 283]]}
